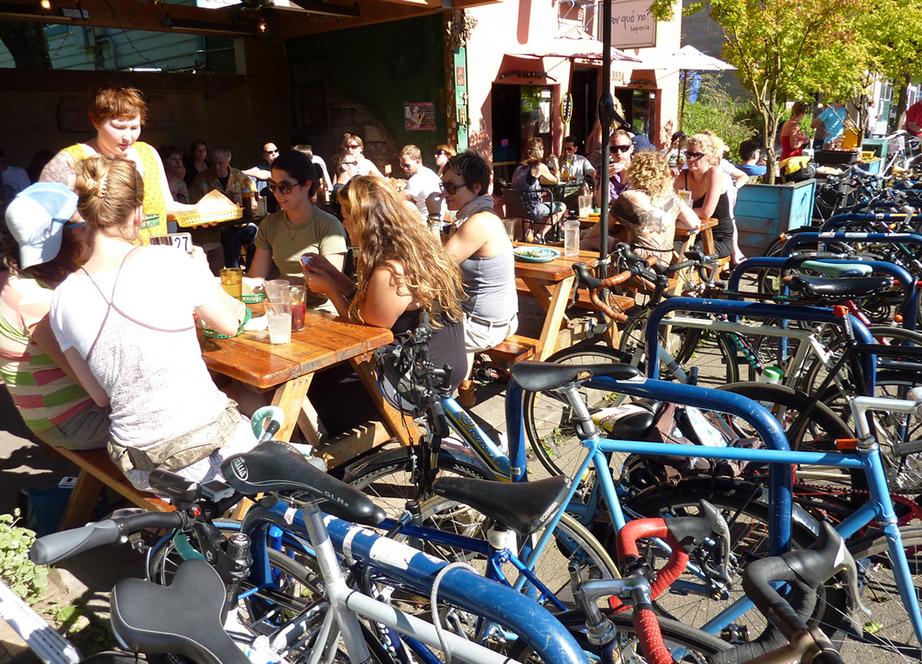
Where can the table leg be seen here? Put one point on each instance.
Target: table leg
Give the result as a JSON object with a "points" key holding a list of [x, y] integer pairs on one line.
{"points": [[400, 426], [82, 501], [290, 397], [560, 296]]}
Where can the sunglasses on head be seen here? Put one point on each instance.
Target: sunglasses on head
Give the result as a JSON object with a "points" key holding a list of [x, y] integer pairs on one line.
{"points": [[283, 187], [451, 187], [693, 155], [620, 148]]}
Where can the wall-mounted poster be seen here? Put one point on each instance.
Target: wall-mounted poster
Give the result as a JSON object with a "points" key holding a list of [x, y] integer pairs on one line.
{"points": [[419, 116]]}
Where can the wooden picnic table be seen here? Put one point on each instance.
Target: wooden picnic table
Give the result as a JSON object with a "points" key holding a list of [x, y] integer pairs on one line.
{"points": [[288, 369], [705, 231], [551, 284]]}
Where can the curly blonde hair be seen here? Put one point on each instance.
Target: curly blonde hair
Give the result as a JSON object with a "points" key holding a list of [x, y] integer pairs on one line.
{"points": [[704, 143], [649, 172], [388, 231]]}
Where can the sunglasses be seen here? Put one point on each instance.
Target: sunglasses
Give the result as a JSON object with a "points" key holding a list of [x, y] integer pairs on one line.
{"points": [[283, 187], [620, 148], [406, 167], [353, 146], [694, 155], [439, 153], [451, 187], [270, 151]]}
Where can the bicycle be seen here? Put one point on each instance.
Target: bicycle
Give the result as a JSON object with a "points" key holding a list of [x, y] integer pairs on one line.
{"points": [[314, 631]]}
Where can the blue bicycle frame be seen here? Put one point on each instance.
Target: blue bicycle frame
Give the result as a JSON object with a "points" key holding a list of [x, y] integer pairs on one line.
{"points": [[909, 308]]}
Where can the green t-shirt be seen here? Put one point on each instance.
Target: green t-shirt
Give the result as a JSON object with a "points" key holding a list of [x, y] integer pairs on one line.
{"points": [[322, 234]]}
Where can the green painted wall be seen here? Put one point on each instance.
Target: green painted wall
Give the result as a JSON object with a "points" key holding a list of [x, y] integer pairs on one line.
{"points": [[381, 67]]}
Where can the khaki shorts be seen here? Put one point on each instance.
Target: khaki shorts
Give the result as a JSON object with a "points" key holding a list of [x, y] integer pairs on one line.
{"points": [[480, 337]]}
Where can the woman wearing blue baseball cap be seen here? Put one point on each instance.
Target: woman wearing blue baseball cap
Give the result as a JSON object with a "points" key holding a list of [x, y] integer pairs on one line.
{"points": [[43, 245]]}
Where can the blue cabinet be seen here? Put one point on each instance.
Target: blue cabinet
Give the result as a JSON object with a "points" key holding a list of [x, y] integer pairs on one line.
{"points": [[763, 211]]}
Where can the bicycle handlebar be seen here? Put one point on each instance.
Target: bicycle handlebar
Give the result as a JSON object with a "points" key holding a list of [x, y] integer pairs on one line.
{"points": [[59, 546]]}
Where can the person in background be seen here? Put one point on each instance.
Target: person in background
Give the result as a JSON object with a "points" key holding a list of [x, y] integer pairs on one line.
{"points": [[443, 153], [44, 242], [830, 122], [353, 147], [528, 177], [299, 227], [239, 188], [14, 179], [402, 271], [792, 137], [317, 187], [422, 181], [735, 180], [125, 322], [175, 171], [708, 186], [914, 119], [647, 213], [196, 160], [619, 160], [261, 171], [325, 186], [750, 152], [482, 248], [118, 115], [577, 167]]}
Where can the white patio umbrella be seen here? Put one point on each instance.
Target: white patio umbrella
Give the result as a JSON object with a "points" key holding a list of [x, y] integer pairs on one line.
{"points": [[572, 44]]}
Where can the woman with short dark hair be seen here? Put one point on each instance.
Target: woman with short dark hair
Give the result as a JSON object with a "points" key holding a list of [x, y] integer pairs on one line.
{"points": [[299, 227]]}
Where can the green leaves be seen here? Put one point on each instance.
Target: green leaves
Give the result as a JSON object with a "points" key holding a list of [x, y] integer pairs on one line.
{"points": [[22, 576]]}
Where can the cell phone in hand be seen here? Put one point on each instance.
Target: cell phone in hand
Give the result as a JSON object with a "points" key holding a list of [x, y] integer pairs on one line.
{"points": [[307, 259], [181, 241]]}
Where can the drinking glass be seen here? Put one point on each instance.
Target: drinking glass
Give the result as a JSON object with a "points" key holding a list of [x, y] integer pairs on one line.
{"points": [[232, 281], [510, 228], [277, 290], [571, 237], [279, 319], [297, 308], [686, 196]]}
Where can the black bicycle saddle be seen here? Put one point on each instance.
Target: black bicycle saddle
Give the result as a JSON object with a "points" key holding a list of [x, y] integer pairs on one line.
{"points": [[274, 466], [844, 288], [538, 376], [183, 618], [524, 507]]}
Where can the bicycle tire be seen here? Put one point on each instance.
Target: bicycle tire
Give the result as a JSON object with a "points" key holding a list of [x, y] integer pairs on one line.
{"points": [[683, 344], [701, 646], [548, 428], [895, 635], [571, 542]]}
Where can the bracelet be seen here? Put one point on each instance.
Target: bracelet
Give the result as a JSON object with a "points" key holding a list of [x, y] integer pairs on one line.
{"points": [[435, 216]]}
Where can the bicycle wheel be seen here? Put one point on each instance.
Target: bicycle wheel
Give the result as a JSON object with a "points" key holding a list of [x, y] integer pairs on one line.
{"points": [[745, 507], [712, 354], [390, 485], [887, 635], [698, 646], [548, 424]]}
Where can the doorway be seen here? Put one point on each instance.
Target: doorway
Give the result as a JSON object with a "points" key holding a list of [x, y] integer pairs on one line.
{"points": [[639, 110], [519, 112], [584, 86]]}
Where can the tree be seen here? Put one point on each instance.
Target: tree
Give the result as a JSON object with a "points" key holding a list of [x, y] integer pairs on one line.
{"points": [[786, 49], [894, 28]]}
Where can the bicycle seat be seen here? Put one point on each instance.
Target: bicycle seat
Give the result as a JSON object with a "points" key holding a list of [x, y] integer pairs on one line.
{"points": [[538, 376], [524, 507], [838, 269], [183, 618], [275, 466], [636, 424], [841, 288]]}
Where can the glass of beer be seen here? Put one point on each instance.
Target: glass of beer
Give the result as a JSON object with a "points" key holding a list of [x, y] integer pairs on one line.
{"points": [[232, 281], [297, 308]]}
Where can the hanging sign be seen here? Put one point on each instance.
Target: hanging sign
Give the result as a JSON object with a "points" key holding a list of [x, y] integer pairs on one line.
{"points": [[632, 24]]}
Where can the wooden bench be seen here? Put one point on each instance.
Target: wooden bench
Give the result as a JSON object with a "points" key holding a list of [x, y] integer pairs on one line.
{"points": [[513, 349], [98, 471]]}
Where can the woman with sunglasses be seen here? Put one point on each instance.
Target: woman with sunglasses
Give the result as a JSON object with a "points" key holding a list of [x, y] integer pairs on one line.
{"points": [[708, 186], [299, 227], [528, 177], [353, 148], [43, 246], [443, 153]]}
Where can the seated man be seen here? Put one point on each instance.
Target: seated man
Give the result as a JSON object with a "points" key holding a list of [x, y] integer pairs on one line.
{"points": [[422, 181], [750, 152], [234, 184], [577, 167]]}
